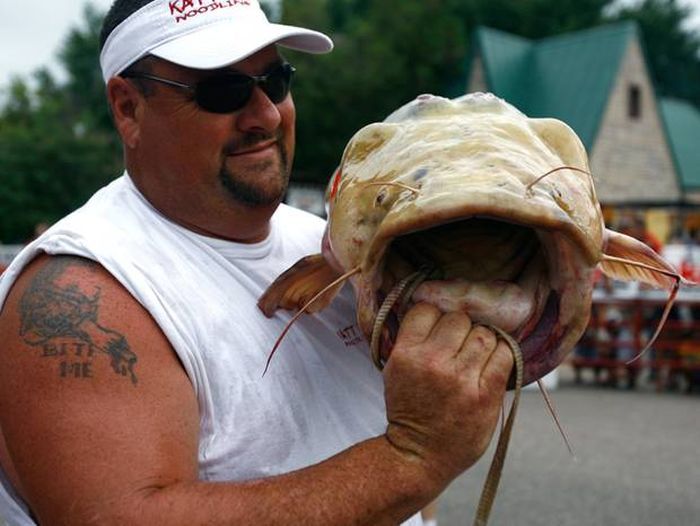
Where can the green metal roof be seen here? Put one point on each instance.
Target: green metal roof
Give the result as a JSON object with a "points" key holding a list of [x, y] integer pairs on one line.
{"points": [[682, 121], [505, 58], [568, 76]]}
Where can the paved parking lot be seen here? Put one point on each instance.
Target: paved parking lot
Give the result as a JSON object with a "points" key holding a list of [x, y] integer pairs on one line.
{"points": [[637, 463]]}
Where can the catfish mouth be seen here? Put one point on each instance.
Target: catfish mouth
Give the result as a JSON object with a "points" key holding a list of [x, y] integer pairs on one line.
{"points": [[495, 271]]}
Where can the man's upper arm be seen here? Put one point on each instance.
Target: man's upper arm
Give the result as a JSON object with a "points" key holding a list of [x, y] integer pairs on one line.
{"points": [[94, 405]]}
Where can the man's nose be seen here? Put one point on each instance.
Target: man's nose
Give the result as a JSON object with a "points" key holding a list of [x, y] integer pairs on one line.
{"points": [[260, 113]]}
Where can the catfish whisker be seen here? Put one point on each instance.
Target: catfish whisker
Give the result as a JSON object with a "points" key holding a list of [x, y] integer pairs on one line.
{"points": [[660, 325], [678, 279], [488, 492], [555, 416], [302, 310], [660, 270], [416, 191], [503, 415], [528, 188], [410, 282]]}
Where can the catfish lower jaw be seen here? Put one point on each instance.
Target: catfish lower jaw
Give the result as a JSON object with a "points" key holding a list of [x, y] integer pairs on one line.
{"points": [[539, 347]]}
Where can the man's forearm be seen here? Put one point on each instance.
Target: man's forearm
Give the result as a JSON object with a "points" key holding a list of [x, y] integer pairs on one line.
{"points": [[371, 483]]}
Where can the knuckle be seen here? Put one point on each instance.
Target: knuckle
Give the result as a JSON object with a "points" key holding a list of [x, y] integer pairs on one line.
{"points": [[459, 317], [433, 368], [483, 337], [502, 364], [425, 309], [461, 323], [505, 355], [500, 377]]}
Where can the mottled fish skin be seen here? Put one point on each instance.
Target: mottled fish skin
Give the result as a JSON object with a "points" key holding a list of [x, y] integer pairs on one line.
{"points": [[473, 155], [475, 163]]}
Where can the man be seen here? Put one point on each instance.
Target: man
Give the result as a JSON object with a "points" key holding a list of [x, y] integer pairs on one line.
{"points": [[131, 388]]}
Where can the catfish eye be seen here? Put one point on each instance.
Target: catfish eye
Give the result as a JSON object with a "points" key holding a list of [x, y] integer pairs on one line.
{"points": [[381, 196]]}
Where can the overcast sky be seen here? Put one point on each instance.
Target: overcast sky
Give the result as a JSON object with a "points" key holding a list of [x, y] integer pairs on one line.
{"points": [[31, 33]]}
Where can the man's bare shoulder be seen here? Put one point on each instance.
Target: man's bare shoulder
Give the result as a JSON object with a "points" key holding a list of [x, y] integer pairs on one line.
{"points": [[86, 370], [70, 312]]}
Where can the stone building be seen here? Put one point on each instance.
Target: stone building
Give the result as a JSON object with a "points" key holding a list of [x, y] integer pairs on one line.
{"points": [[644, 151]]}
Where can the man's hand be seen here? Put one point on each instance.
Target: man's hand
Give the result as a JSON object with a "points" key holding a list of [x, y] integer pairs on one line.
{"points": [[445, 382]]}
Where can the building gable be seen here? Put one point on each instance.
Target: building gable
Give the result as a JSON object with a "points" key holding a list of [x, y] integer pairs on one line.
{"points": [[568, 76], [630, 159], [574, 73], [591, 80]]}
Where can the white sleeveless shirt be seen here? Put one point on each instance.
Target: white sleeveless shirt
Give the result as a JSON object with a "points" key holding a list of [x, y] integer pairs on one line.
{"points": [[321, 394]]}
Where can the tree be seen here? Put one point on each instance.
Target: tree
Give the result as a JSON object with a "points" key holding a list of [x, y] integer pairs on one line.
{"points": [[85, 89], [56, 143], [389, 52], [537, 18], [386, 54]]}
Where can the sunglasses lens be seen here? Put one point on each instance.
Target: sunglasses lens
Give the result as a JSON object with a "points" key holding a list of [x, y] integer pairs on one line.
{"points": [[276, 87], [230, 92], [224, 93]]}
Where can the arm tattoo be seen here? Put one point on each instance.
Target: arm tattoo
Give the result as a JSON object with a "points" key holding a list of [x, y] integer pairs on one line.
{"points": [[59, 317]]}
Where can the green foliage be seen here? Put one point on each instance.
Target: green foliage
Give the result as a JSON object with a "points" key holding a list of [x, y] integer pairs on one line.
{"points": [[268, 8], [57, 145], [386, 53], [538, 18], [85, 89]]}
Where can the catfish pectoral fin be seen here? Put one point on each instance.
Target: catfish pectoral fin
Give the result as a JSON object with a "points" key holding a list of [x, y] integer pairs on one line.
{"points": [[628, 259], [294, 288]]}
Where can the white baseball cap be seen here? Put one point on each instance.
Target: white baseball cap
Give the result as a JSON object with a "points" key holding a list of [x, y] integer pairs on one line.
{"points": [[201, 34]]}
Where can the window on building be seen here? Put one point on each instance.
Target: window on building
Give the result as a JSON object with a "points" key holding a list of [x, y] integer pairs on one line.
{"points": [[634, 102]]}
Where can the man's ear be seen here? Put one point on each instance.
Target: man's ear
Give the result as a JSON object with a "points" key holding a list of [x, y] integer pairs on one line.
{"points": [[126, 103]]}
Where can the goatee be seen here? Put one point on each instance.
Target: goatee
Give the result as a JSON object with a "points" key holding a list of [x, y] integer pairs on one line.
{"points": [[246, 188]]}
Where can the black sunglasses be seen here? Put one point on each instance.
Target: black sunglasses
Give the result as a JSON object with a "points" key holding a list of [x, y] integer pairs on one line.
{"points": [[228, 92]]}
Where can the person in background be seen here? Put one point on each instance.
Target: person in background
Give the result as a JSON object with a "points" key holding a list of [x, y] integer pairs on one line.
{"points": [[638, 229], [621, 339], [586, 350], [131, 387]]}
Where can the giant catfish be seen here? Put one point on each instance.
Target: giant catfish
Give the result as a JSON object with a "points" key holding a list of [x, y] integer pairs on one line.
{"points": [[470, 205]]}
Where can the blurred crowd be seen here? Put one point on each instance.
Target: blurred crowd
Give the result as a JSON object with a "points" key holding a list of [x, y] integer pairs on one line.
{"points": [[625, 316]]}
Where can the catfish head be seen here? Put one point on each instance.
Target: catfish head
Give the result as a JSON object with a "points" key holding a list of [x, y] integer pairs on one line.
{"points": [[470, 205]]}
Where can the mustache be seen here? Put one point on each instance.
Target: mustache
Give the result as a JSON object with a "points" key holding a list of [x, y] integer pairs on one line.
{"points": [[251, 139]]}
